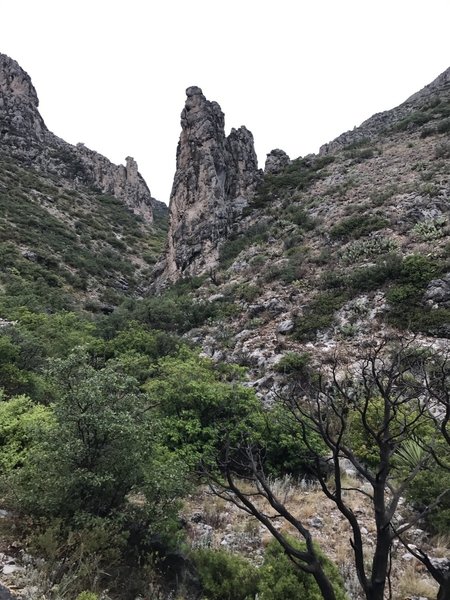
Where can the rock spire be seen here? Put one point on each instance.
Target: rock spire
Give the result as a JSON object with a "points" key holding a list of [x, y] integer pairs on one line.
{"points": [[215, 177]]}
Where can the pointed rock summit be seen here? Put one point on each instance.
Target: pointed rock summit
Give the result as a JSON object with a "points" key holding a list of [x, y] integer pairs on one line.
{"points": [[215, 177], [20, 121], [24, 136]]}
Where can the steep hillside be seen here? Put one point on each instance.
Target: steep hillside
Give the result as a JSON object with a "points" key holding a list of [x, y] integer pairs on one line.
{"points": [[74, 228], [335, 249], [137, 458]]}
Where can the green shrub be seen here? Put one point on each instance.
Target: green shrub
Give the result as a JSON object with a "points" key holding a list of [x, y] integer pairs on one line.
{"points": [[294, 363], [299, 175], [370, 278], [87, 596], [300, 217], [379, 197], [356, 226], [427, 131], [177, 313], [359, 154], [319, 314], [281, 580], [284, 448], [406, 309], [199, 406], [292, 271], [442, 150], [234, 245], [444, 126], [247, 292], [367, 248], [20, 418], [427, 486], [413, 120], [225, 576], [431, 229], [90, 550]]}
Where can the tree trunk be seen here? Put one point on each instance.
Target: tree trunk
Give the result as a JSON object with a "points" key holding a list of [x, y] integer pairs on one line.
{"points": [[325, 586], [380, 566], [444, 590]]}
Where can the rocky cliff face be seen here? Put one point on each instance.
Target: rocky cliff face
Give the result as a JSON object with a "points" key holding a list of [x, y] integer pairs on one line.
{"points": [[24, 136], [21, 125], [214, 180], [338, 250]]}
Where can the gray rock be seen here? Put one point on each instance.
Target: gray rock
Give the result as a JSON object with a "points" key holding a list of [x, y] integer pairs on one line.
{"points": [[275, 306], [218, 356], [197, 517], [443, 564], [347, 468], [316, 522], [5, 594], [285, 327], [30, 255], [438, 292], [378, 123], [216, 297], [256, 309], [11, 568], [243, 335], [277, 160], [215, 177]]}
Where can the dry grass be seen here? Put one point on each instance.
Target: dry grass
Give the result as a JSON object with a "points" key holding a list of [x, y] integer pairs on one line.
{"points": [[415, 583], [441, 545], [306, 502]]}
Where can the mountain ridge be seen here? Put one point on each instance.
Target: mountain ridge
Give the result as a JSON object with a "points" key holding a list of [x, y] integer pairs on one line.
{"points": [[333, 266], [322, 255], [86, 229], [24, 133]]}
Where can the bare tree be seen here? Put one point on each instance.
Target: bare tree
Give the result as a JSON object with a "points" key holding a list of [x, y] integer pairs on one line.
{"points": [[380, 400], [230, 488]]}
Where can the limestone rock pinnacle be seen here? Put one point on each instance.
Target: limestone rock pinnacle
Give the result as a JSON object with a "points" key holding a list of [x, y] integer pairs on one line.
{"points": [[215, 177]]}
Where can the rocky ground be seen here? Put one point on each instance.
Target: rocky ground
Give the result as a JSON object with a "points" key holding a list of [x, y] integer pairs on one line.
{"points": [[211, 522], [215, 523]]}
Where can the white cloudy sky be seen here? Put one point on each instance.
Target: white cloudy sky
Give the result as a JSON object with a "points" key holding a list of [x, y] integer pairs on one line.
{"points": [[112, 73]]}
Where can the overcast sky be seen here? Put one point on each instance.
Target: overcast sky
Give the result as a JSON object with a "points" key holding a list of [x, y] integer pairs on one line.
{"points": [[113, 74]]}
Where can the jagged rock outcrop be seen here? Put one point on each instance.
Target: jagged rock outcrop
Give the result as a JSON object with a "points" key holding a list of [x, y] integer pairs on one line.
{"points": [[214, 180], [24, 136], [277, 160], [21, 125], [380, 122], [121, 181]]}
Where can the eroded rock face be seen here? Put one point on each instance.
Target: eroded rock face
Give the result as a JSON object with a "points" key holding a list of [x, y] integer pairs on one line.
{"points": [[214, 180], [123, 182], [21, 124], [277, 160], [24, 136]]}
